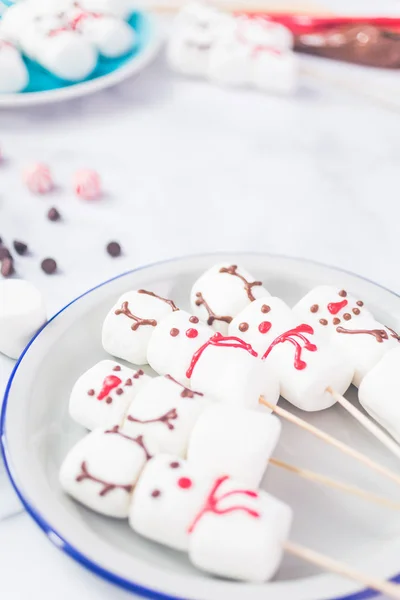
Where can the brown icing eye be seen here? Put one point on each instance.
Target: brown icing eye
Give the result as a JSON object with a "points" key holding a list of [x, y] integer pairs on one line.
{"points": [[128, 382], [336, 321], [265, 308], [175, 465], [314, 308], [108, 400], [155, 493], [91, 393], [174, 332], [343, 293], [119, 391], [360, 303], [323, 322], [356, 311], [194, 319], [117, 368], [347, 316], [243, 327]]}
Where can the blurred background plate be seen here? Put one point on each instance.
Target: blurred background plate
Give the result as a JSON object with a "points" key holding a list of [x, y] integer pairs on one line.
{"points": [[44, 87]]}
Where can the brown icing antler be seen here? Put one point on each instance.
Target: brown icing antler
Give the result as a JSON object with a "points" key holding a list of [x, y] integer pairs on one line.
{"points": [[138, 440], [171, 415], [393, 333], [186, 392], [171, 303], [248, 286], [211, 314], [124, 310], [107, 485]]}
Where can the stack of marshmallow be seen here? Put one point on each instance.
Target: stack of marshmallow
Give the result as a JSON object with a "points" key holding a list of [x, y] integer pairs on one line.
{"points": [[63, 36], [231, 50], [182, 454]]}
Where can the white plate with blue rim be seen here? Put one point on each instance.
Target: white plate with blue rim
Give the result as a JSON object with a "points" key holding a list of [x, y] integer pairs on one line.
{"points": [[36, 433], [44, 87]]}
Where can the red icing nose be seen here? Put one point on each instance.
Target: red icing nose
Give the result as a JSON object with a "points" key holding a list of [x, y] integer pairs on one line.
{"points": [[185, 483], [264, 327], [110, 383], [335, 307]]}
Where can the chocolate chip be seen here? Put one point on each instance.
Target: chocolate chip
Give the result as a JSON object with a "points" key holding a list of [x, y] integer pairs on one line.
{"points": [[4, 253], [20, 247], [53, 214], [49, 266], [7, 267], [114, 249]]}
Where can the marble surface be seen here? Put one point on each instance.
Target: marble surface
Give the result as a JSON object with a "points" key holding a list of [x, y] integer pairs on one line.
{"points": [[190, 168]]}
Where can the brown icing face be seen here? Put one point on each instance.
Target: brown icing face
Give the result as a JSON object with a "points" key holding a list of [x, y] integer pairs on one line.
{"points": [[360, 44]]}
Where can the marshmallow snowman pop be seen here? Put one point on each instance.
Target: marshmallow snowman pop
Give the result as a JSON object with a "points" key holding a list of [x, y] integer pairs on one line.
{"points": [[350, 328], [218, 521], [316, 372]]}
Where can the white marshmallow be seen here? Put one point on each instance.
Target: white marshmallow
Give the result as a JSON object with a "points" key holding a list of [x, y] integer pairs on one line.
{"points": [[275, 72], [22, 313], [260, 32], [239, 533], [262, 321], [366, 346], [102, 395], [15, 20], [122, 9], [195, 31], [323, 304], [65, 54], [101, 470], [379, 392], [129, 325], [166, 500], [230, 62], [229, 370], [233, 441], [226, 290], [166, 411], [306, 366], [173, 343], [111, 36], [14, 75]]}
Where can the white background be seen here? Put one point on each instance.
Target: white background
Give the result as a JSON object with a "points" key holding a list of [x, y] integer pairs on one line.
{"points": [[190, 168]]}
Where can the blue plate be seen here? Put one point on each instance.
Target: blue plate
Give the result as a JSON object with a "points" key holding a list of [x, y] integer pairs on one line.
{"points": [[45, 87]]}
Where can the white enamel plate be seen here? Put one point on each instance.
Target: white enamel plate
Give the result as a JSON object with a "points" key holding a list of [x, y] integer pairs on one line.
{"points": [[37, 433]]}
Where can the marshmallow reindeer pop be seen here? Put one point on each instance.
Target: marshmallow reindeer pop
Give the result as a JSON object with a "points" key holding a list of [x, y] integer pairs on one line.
{"points": [[218, 521]]}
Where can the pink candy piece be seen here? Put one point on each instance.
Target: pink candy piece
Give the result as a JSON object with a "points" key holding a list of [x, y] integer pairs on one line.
{"points": [[38, 178], [87, 184]]}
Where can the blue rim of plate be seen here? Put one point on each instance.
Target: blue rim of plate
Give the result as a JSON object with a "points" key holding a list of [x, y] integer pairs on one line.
{"points": [[59, 541]]}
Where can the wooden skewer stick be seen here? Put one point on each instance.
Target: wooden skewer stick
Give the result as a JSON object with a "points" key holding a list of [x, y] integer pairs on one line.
{"points": [[391, 590], [380, 435], [333, 483], [329, 439]]}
